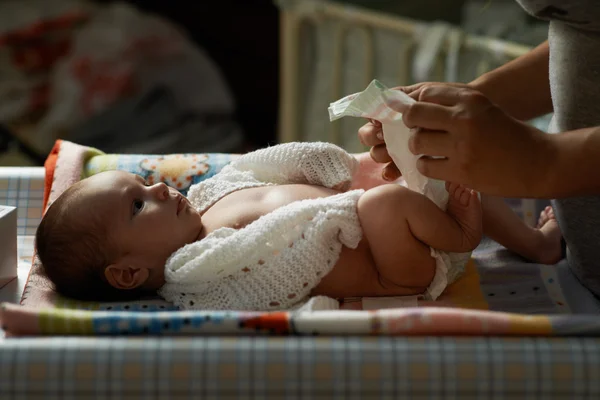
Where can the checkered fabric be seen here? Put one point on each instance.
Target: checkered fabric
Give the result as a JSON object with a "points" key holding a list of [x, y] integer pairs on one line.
{"points": [[293, 368], [23, 188]]}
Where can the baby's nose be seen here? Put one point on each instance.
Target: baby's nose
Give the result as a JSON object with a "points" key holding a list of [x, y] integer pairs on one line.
{"points": [[161, 191]]}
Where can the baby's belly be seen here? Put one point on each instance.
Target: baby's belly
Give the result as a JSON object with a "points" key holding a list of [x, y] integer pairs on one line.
{"points": [[245, 206]]}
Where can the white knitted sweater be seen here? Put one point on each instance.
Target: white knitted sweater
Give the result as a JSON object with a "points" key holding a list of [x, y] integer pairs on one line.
{"points": [[274, 262]]}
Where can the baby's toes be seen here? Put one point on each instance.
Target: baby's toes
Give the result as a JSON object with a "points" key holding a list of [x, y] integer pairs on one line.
{"points": [[459, 193], [456, 190], [451, 188], [541, 222], [546, 215], [465, 196]]}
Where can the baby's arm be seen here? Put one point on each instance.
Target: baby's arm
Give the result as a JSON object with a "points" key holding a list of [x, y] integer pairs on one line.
{"points": [[315, 163]]}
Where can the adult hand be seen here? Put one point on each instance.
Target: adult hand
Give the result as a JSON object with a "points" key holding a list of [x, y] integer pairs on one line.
{"points": [[371, 134], [415, 90], [475, 143]]}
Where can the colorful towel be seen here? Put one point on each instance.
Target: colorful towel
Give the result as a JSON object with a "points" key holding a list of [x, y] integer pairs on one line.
{"points": [[21, 321], [416, 321]]}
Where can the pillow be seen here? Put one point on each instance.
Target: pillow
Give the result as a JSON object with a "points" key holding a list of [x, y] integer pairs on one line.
{"points": [[178, 171]]}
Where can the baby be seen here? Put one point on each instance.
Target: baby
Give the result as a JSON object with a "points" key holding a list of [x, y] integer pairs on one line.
{"points": [[274, 227]]}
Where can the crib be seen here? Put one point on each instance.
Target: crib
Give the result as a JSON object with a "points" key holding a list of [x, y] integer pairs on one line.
{"points": [[329, 50], [309, 367]]}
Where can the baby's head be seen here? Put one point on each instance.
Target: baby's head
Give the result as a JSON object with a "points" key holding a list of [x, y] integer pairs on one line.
{"points": [[108, 237]]}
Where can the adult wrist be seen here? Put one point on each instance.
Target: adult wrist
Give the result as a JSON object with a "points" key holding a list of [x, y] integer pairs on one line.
{"points": [[489, 85], [480, 83]]}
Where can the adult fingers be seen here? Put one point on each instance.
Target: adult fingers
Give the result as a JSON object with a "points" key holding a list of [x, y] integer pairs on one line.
{"points": [[438, 168], [392, 102], [390, 172], [428, 116], [380, 154], [413, 90], [444, 95], [370, 134], [431, 143]]}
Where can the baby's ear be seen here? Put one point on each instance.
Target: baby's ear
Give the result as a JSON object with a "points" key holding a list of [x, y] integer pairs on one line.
{"points": [[125, 276]]}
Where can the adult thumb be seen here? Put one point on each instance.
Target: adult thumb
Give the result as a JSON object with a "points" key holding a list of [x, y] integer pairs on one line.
{"points": [[397, 100]]}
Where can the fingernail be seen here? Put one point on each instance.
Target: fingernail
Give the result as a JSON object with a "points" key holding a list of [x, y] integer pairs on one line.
{"points": [[387, 175], [380, 135]]}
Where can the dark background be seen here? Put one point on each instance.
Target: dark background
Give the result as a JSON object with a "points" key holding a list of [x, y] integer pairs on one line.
{"points": [[242, 37]]}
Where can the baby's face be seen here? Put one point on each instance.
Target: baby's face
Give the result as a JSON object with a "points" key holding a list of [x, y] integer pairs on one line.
{"points": [[150, 221]]}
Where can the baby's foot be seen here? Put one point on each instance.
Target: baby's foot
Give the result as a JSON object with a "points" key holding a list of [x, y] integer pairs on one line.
{"points": [[464, 205], [549, 249]]}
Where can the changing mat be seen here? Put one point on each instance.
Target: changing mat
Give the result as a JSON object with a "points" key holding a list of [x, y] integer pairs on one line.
{"points": [[488, 299]]}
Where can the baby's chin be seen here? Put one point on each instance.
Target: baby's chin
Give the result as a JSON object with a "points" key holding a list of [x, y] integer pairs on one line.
{"points": [[200, 235], [199, 228]]}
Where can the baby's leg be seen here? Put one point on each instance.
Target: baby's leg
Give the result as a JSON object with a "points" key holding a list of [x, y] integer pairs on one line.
{"points": [[400, 225], [540, 244]]}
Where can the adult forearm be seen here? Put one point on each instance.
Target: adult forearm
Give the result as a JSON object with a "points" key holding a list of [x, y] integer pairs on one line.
{"points": [[576, 169], [521, 87]]}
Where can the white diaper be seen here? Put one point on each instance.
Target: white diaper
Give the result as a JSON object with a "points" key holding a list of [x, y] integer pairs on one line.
{"points": [[448, 268]]}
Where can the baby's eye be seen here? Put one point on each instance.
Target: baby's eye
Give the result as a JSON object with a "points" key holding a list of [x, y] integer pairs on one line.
{"points": [[137, 206]]}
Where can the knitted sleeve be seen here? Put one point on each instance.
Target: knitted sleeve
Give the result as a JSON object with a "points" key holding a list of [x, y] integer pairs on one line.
{"points": [[316, 163], [271, 264]]}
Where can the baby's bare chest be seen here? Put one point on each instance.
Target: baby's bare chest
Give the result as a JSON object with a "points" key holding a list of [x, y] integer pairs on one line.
{"points": [[245, 206]]}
